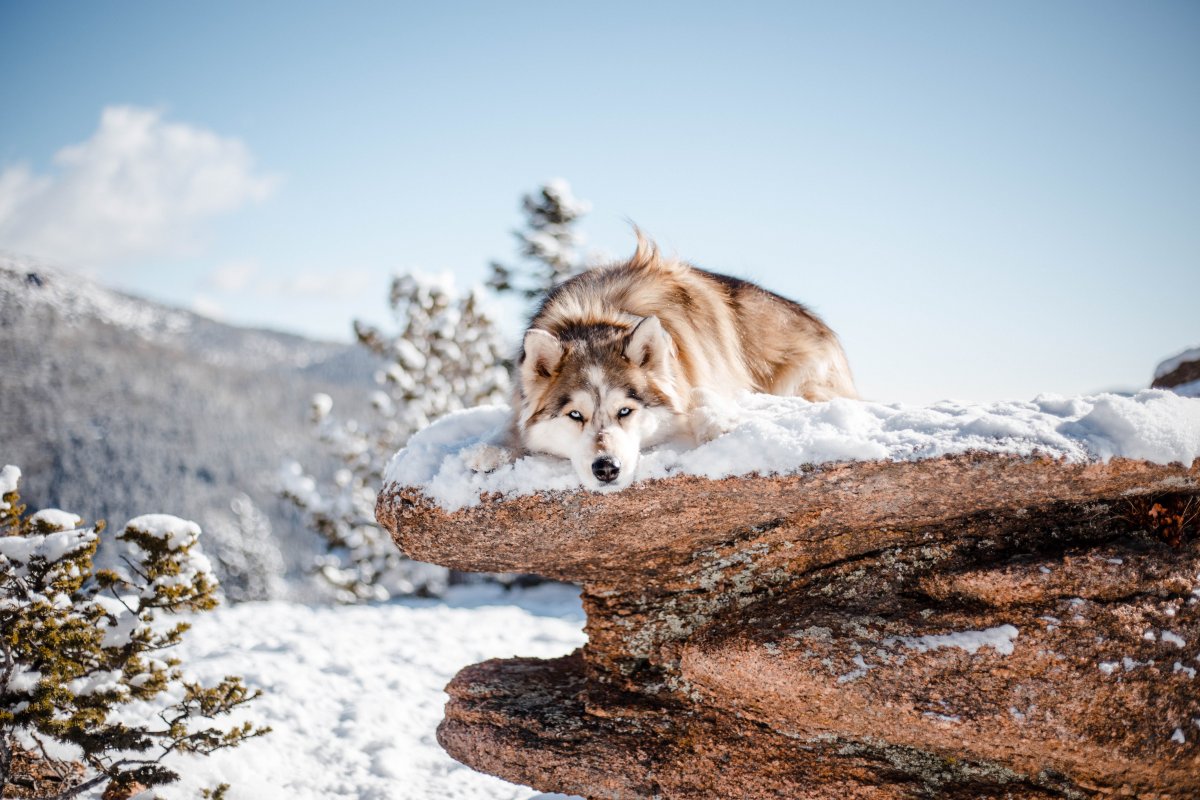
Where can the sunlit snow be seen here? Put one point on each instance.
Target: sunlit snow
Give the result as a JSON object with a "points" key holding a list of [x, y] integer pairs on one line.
{"points": [[354, 693], [774, 435]]}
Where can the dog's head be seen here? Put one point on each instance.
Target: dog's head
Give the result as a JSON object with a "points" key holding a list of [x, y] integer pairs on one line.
{"points": [[597, 395]]}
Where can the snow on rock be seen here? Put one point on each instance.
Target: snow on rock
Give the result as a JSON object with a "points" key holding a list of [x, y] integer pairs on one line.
{"points": [[354, 693], [1176, 361], [775, 435], [1000, 639], [1190, 389], [1173, 638]]}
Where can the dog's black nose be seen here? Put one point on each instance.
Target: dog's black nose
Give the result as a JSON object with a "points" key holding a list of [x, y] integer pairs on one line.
{"points": [[606, 469]]}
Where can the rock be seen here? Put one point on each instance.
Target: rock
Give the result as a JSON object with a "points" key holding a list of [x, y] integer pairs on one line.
{"points": [[1180, 374], [968, 626]]}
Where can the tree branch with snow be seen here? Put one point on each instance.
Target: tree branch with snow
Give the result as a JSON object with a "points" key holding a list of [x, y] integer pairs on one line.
{"points": [[79, 644]]}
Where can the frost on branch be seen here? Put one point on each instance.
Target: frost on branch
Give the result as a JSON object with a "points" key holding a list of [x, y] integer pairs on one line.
{"points": [[444, 355], [80, 644]]}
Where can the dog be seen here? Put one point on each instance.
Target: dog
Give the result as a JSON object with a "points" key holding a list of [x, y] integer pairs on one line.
{"points": [[621, 358]]}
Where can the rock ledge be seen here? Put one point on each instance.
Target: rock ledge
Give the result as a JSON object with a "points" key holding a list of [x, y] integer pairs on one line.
{"points": [[971, 626]]}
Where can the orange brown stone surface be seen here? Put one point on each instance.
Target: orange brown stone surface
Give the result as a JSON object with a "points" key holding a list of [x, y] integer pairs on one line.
{"points": [[969, 626]]}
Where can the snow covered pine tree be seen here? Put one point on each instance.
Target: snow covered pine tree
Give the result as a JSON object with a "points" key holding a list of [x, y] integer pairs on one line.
{"points": [[80, 646], [549, 244], [445, 355]]}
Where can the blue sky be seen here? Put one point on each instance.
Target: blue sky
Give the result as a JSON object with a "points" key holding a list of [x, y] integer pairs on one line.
{"points": [[986, 200]]}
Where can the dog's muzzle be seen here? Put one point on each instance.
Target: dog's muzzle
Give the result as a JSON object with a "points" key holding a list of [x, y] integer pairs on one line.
{"points": [[606, 469]]}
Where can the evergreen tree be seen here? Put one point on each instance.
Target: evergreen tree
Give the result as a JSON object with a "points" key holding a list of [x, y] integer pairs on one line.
{"points": [[80, 644], [445, 354], [548, 246], [245, 551]]}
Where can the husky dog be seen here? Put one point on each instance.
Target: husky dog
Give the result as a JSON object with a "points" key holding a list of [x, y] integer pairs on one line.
{"points": [[628, 356]]}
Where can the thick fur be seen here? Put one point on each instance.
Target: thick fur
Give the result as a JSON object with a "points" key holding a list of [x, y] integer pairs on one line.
{"points": [[624, 357]]}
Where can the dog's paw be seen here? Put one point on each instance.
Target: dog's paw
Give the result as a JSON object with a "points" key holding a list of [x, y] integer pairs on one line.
{"points": [[712, 415], [485, 457]]}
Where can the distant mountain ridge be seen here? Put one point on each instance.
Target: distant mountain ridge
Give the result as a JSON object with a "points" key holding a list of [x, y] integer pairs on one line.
{"points": [[113, 406]]}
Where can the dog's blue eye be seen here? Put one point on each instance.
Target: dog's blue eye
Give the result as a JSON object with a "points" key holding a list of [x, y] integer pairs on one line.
{"points": [[625, 412], [575, 415]]}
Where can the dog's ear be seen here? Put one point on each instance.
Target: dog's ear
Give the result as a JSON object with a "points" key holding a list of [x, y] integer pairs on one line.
{"points": [[543, 352], [648, 345]]}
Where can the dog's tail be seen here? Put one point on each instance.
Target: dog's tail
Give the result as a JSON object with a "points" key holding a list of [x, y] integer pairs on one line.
{"points": [[647, 255]]}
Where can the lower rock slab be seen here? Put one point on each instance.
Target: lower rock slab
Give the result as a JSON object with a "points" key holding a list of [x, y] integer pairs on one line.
{"points": [[540, 723]]}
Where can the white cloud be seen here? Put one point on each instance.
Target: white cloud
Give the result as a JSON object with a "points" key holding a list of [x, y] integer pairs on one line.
{"points": [[138, 187], [233, 276], [249, 279], [341, 284]]}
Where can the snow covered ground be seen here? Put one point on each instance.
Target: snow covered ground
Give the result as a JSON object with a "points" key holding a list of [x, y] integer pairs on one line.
{"points": [[768, 435], [354, 693]]}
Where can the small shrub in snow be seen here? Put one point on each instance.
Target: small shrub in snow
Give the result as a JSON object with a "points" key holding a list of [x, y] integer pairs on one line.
{"points": [[79, 644]]}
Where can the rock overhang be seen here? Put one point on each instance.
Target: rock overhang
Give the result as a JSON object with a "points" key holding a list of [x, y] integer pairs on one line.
{"points": [[814, 608]]}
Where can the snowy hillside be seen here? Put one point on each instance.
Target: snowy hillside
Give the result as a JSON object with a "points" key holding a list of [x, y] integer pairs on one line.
{"points": [[114, 405], [768, 435]]}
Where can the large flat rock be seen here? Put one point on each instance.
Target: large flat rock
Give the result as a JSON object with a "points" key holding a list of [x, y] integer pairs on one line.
{"points": [[538, 723], [969, 626], [1084, 664], [654, 529]]}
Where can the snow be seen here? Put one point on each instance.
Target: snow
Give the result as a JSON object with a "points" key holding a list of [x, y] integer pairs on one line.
{"points": [[51, 546], [1189, 389], [96, 683], [862, 668], [23, 679], [176, 532], [75, 297], [1173, 638], [322, 404], [778, 435], [1176, 361], [999, 639], [10, 479], [56, 519], [560, 189], [354, 693], [124, 625]]}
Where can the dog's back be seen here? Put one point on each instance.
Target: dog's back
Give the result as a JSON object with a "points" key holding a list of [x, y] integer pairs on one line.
{"points": [[728, 334]]}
